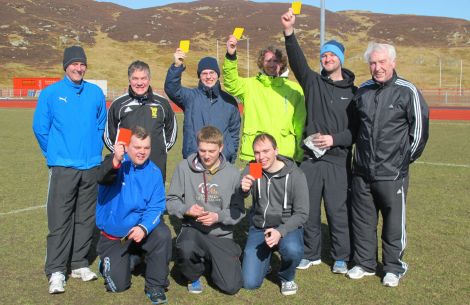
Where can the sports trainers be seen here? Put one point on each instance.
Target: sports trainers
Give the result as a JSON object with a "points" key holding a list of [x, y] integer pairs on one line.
{"points": [[340, 267], [390, 280], [57, 283], [84, 273], [306, 263], [288, 288], [195, 287], [156, 295], [358, 273]]}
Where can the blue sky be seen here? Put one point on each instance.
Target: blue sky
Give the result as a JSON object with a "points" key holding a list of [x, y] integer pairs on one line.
{"points": [[447, 8]]}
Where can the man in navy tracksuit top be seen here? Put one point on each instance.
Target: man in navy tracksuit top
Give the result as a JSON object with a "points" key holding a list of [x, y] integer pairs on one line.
{"points": [[392, 131], [205, 105], [68, 124], [131, 202], [327, 96], [143, 107]]}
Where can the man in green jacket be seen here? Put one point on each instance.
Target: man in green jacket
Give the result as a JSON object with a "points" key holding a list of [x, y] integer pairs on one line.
{"points": [[271, 102]]}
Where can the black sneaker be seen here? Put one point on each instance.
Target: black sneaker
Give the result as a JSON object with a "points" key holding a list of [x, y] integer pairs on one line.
{"points": [[156, 295]]}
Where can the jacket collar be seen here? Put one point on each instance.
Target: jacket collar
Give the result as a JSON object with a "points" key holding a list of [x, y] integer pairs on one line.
{"points": [[346, 82], [270, 81], [214, 91], [78, 87], [390, 81], [143, 99]]}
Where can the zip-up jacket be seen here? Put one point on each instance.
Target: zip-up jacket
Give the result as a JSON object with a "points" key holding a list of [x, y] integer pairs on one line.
{"points": [[68, 124], [204, 106], [129, 196], [151, 111], [216, 191], [393, 128], [280, 201], [270, 104], [327, 103]]}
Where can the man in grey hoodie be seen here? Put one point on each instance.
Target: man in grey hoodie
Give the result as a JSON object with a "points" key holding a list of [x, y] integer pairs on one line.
{"points": [[204, 193], [280, 209]]}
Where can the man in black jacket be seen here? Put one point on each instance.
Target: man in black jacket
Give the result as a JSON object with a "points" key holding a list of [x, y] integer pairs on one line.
{"points": [[142, 107], [393, 122], [328, 142]]}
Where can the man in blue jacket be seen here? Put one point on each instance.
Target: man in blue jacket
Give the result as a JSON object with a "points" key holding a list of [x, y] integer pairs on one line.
{"points": [[131, 202], [68, 124], [205, 105]]}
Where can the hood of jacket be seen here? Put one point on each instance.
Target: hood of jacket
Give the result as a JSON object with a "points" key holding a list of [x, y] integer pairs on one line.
{"points": [[346, 82], [269, 81], [196, 165]]}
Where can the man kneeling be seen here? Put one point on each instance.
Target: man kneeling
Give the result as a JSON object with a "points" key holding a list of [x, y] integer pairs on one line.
{"points": [[131, 202], [204, 193], [279, 210]]}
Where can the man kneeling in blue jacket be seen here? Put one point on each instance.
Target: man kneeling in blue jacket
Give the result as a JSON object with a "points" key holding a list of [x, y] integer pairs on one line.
{"points": [[131, 201]]}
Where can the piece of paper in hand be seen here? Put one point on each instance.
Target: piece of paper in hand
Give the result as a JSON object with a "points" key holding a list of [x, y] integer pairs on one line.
{"points": [[238, 32], [124, 135], [256, 170], [296, 6], [317, 151], [184, 46]]}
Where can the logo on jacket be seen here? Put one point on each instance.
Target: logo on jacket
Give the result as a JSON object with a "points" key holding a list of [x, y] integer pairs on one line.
{"points": [[154, 112], [344, 98], [64, 99], [128, 109], [390, 106]]}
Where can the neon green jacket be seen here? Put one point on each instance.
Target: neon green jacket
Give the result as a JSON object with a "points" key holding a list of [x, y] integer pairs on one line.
{"points": [[270, 104]]}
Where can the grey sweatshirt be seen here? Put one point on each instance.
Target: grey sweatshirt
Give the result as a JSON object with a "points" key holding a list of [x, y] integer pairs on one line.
{"points": [[217, 192], [280, 201]]}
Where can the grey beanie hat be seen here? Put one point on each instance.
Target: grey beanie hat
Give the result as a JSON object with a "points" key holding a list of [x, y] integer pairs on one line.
{"points": [[74, 54]]}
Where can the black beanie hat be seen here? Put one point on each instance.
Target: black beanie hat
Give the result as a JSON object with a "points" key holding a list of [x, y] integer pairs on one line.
{"points": [[208, 63], [74, 54]]}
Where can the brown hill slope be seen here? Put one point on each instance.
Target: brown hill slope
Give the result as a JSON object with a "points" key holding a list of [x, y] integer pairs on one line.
{"points": [[34, 33]]}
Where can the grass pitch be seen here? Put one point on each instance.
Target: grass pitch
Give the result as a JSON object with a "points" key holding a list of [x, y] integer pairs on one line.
{"points": [[438, 251]]}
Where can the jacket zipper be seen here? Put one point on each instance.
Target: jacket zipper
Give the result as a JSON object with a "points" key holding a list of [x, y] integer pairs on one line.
{"points": [[267, 205]]}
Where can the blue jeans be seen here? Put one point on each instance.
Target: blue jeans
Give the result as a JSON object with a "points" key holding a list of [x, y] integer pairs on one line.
{"points": [[257, 257]]}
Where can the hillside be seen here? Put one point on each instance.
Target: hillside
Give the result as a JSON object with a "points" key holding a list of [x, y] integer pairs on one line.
{"points": [[34, 33]]}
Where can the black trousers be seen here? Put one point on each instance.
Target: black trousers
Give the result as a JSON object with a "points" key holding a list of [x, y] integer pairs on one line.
{"points": [[71, 202], [368, 198], [194, 248], [330, 182], [115, 266]]}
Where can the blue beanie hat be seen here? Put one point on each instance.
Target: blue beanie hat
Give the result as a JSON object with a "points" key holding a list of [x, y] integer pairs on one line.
{"points": [[334, 47], [208, 63]]}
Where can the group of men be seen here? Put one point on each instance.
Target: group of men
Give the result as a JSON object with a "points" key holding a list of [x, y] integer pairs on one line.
{"points": [[312, 124]]}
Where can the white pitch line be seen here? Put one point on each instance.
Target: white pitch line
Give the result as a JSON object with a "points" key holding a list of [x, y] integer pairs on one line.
{"points": [[443, 164], [23, 210]]}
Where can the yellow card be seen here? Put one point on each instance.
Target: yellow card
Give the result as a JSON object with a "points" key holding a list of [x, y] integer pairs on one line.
{"points": [[184, 45], [238, 32], [296, 7]]}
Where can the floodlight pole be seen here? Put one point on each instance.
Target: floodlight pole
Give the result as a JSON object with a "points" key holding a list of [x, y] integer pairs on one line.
{"points": [[322, 22]]}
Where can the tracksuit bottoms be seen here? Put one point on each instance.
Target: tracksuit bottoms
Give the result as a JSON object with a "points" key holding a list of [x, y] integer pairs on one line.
{"points": [[194, 249], [115, 256], [368, 198], [71, 201], [331, 182]]}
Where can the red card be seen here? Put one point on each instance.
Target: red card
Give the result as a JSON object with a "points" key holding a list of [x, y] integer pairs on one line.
{"points": [[124, 135], [256, 170]]}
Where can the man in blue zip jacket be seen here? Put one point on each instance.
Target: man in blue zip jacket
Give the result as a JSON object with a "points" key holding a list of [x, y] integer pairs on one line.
{"points": [[131, 202], [205, 105], [68, 124]]}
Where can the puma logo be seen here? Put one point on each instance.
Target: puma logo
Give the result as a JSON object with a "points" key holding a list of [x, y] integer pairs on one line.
{"points": [[63, 99]]}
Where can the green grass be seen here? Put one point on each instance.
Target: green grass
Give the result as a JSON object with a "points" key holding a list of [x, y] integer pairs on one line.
{"points": [[438, 251]]}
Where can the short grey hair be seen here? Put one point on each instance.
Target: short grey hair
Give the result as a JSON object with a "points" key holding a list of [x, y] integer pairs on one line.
{"points": [[138, 66], [380, 47]]}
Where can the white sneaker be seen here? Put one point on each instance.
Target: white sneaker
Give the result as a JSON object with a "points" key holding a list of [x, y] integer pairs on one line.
{"points": [[288, 288], [84, 273], [390, 280], [306, 263], [358, 273], [57, 283]]}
